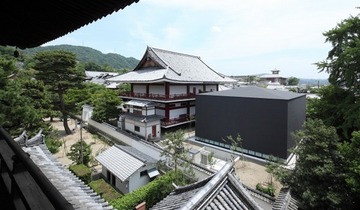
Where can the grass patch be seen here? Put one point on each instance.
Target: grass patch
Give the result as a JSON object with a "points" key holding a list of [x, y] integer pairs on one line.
{"points": [[81, 171], [105, 190]]}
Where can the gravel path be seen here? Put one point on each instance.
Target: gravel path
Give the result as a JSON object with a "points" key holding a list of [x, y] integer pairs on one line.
{"points": [[97, 145]]}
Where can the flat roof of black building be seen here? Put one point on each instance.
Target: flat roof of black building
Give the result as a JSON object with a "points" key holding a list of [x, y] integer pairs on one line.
{"points": [[256, 92]]}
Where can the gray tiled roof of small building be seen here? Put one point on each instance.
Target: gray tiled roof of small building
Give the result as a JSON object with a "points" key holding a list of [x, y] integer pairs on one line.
{"points": [[177, 67], [72, 188], [256, 92], [136, 153], [220, 191], [119, 162]]}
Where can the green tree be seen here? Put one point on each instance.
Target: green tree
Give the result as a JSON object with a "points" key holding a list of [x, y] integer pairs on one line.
{"points": [[235, 145], [342, 62], [124, 88], [319, 175], [293, 81], [57, 69], [92, 66], [21, 101], [80, 153], [175, 154], [336, 107], [105, 104], [350, 151]]}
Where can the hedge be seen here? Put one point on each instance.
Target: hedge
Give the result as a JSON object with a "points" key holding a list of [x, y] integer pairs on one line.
{"points": [[151, 193]]}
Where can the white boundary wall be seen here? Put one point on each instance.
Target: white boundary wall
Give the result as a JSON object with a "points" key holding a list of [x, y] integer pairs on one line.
{"points": [[143, 147]]}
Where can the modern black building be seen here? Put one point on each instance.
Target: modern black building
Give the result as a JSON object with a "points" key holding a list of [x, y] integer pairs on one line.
{"points": [[264, 118]]}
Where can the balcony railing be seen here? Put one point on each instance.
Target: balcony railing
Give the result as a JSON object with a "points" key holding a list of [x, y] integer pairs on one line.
{"points": [[162, 97], [177, 120], [26, 185]]}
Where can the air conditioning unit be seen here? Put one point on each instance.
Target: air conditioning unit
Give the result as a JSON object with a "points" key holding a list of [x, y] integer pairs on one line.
{"points": [[204, 159]]}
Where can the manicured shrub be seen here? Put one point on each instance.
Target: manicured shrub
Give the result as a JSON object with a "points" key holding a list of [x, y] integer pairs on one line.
{"points": [[151, 193]]}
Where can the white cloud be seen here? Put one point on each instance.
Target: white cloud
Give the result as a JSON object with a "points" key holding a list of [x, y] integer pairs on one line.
{"points": [[216, 29], [234, 36]]}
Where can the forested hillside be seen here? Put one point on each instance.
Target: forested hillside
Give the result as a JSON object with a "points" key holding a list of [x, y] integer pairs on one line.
{"points": [[90, 55]]}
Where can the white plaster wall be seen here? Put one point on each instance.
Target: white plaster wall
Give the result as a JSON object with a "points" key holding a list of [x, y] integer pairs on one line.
{"points": [[174, 113], [157, 89], [178, 89], [150, 150], [118, 183], [209, 87], [135, 181], [197, 88], [122, 186], [160, 112], [137, 88], [148, 112], [192, 110], [130, 126]]}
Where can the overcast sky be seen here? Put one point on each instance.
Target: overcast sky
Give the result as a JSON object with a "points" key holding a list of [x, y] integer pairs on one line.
{"points": [[234, 37]]}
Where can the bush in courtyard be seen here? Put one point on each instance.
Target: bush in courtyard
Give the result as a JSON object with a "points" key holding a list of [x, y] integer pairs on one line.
{"points": [[53, 144], [80, 153], [267, 189], [81, 171]]}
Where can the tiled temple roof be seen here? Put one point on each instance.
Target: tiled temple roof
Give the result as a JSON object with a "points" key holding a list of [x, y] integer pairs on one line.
{"points": [[172, 67], [71, 187]]}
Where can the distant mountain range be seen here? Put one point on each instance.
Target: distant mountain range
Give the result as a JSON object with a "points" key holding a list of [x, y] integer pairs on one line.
{"points": [[87, 54], [313, 81]]}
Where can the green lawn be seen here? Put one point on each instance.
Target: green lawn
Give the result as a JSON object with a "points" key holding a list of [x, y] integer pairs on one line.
{"points": [[105, 190]]}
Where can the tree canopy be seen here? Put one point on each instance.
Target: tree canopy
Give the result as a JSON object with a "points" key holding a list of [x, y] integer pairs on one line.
{"points": [[174, 152], [327, 170], [22, 102], [343, 60], [318, 178], [57, 69], [293, 81]]}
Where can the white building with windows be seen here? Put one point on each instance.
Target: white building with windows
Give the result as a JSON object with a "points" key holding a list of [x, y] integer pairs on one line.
{"points": [[126, 168], [141, 119]]}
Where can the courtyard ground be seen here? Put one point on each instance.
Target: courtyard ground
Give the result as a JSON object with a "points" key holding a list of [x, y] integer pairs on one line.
{"points": [[249, 173], [95, 143]]}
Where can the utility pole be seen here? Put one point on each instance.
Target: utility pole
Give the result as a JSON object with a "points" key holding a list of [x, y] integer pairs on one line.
{"points": [[81, 140]]}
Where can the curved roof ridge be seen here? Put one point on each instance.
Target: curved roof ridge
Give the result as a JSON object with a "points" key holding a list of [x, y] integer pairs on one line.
{"points": [[173, 52], [167, 65]]}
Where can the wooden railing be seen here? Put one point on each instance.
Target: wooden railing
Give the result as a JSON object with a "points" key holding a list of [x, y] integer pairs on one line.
{"points": [[177, 120], [162, 97], [25, 183]]}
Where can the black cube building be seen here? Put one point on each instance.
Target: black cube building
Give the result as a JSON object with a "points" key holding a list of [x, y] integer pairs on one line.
{"points": [[264, 118]]}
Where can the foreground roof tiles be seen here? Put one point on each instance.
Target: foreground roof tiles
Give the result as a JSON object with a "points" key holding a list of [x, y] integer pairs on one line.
{"points": [[220, 191], [72, 188]]}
